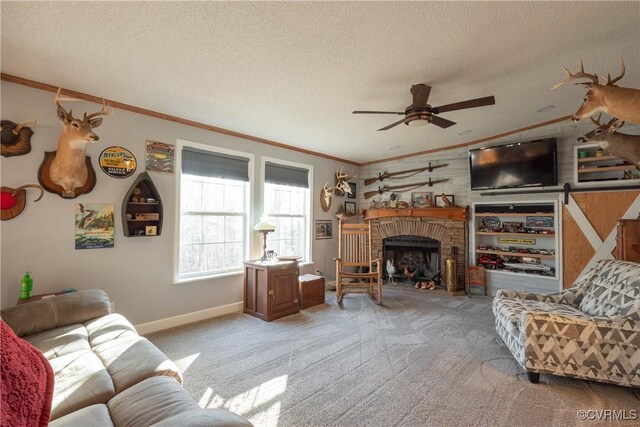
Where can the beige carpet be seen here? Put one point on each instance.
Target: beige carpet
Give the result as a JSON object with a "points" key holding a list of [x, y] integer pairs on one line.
{"points": [[418, 360]]}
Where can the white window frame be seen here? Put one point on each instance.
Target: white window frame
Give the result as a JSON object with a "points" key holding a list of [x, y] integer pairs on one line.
{"points": [[308, 256], [248, 217]]}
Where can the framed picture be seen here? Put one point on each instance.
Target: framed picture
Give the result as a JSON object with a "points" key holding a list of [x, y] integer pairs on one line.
{"points": [[324, 229], [352, 185], [151, 230], [350, 208], [421, 199], [160, 157], [94, 225], [440, 200]]}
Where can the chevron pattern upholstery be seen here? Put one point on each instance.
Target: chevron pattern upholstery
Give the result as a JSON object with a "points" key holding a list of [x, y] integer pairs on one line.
{"points": [[589, 331]]}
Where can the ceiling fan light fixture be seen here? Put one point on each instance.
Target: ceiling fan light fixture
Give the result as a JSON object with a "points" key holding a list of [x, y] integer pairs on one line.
{"points": [[418, 122]]}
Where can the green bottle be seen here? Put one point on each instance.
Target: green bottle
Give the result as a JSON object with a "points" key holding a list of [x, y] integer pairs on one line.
{"points": [[26, 286]]}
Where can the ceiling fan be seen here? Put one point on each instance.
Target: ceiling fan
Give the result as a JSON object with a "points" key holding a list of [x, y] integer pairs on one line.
{"points": [[419, 113]]}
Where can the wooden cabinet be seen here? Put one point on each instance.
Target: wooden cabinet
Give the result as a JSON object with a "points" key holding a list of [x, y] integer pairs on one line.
{"points": [[593, 168], [628, 240], [142, 209], [271, 289], [517, 238]]}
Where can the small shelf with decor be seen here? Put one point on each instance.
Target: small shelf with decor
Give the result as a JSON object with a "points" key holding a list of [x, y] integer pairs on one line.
{"points": [[593, 165], [519, 239], [142, 213]]}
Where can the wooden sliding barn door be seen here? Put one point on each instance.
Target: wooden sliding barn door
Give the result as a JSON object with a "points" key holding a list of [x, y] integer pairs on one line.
{"points": [[589, 228]]}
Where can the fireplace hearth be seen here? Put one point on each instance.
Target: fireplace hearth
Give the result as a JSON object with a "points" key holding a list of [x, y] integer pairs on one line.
{"points": [[414, 259]]}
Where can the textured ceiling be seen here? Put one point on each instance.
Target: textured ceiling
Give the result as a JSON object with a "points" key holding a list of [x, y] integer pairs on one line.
{"points": [[293, 72]]}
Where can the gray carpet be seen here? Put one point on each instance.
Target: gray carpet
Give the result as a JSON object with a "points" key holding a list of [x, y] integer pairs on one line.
{"points": [[420, 359]]}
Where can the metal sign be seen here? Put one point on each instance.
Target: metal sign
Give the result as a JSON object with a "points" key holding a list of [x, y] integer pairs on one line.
{"points": [[516, 241], [117, 162]]}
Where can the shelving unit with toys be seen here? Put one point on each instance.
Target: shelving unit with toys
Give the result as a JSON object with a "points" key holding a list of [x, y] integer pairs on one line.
{"points": [[516, 238]]}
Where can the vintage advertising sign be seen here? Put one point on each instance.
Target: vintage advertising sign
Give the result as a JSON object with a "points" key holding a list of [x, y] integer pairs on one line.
{"points": [[117, 162], [509, 240], [94, 226], [160, 157], [539, 221]]}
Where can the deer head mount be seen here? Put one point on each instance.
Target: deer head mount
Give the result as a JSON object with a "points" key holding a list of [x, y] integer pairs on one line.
{"points": [[68, 170], [626, 147], [16, 137], [620, 102], [341, 187]]}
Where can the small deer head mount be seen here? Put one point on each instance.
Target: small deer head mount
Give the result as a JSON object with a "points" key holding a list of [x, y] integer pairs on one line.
{"points": [[16, 137], [626, 147], [620, 102], [68, 169], [12, 201]]}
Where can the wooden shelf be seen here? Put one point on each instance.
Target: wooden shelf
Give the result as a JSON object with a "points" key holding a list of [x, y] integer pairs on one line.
{"points": [[596, 159], [145, 189], [454, 213], [516, 254], [531, 235], [549, 215], [607, 169]]}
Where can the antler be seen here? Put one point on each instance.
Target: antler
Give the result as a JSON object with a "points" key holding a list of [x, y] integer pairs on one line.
{"points": [[22, 187], [604, 126], [578, 75], [329, 190], [105, 111], [609, 81], [33, 122]]}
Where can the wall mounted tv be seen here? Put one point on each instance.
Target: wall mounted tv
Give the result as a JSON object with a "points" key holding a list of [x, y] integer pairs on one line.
{"points": [[520, 164]]}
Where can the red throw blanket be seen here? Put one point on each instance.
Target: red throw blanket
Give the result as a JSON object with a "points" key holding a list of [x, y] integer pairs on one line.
{"points": [[26, 382]]}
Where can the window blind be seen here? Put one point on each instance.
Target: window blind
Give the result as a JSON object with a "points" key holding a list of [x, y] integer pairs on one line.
{"points": [[286, 175], [214, 165]]}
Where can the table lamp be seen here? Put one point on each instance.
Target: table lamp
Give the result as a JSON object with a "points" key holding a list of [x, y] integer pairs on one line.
{"points": [[264, 227]]}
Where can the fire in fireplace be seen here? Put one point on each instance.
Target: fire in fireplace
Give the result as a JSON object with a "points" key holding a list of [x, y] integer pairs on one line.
{"points": [[415, 258]]}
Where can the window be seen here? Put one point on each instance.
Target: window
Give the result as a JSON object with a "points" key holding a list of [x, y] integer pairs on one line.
{"points": [[214, 189], [286, 203]]}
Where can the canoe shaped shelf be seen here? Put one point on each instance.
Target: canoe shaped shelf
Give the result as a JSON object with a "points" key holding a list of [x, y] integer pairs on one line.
{"points": [[142, 213]]}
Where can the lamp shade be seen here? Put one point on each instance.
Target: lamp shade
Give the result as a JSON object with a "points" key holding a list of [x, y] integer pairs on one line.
{"points": [[264, 225]]}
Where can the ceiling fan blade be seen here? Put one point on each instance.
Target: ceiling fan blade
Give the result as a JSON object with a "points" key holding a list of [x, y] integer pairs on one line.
{"points": [[420, 94], [443, 123], [392, 125], [378, 112], [478, 102]]}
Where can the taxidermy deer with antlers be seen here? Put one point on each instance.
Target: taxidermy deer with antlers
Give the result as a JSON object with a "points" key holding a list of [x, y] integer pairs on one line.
{"points": [[626, 147], [341, 184], [620, 102], [68, 168]]}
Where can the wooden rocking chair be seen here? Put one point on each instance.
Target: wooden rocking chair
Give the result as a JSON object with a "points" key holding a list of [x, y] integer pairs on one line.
{"points": [[354, 252]]}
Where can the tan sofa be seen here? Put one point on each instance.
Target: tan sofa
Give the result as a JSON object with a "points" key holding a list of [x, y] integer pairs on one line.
{"points": [[105, 373]]}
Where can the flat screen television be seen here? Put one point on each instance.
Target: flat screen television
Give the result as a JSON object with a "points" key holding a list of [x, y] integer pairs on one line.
{"points": [[520, 164]]}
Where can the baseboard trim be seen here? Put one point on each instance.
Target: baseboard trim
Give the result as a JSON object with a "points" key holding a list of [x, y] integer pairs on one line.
{"points": [[183, 319]]}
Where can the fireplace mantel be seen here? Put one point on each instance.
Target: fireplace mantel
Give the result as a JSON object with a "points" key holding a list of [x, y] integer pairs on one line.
{"points": [[453, 213]]}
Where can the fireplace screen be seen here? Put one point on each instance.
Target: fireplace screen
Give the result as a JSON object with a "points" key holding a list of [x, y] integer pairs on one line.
{"points": [[412, 259]]}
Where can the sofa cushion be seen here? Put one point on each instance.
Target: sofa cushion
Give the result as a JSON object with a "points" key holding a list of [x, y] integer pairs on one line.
{"points": [[80, 380], [509, 310], [61, 310], [60, 341], [91, 416], [108, 328], [150, 401], [613, 290], [131, 359]]}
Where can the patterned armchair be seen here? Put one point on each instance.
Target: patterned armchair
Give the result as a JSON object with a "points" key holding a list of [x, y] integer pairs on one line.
{"points": [[589, 331]]}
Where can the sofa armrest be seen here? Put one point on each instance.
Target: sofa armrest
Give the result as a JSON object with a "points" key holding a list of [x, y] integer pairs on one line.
{"points": [[592, 328], [205, 417], [508, 293], [60, 310]]}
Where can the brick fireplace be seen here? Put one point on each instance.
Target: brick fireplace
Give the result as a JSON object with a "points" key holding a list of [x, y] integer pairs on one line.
{"points": [[445, 225]]}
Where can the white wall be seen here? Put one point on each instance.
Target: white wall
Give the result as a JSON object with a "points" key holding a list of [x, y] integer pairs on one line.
{"points": [[138, 273]]}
